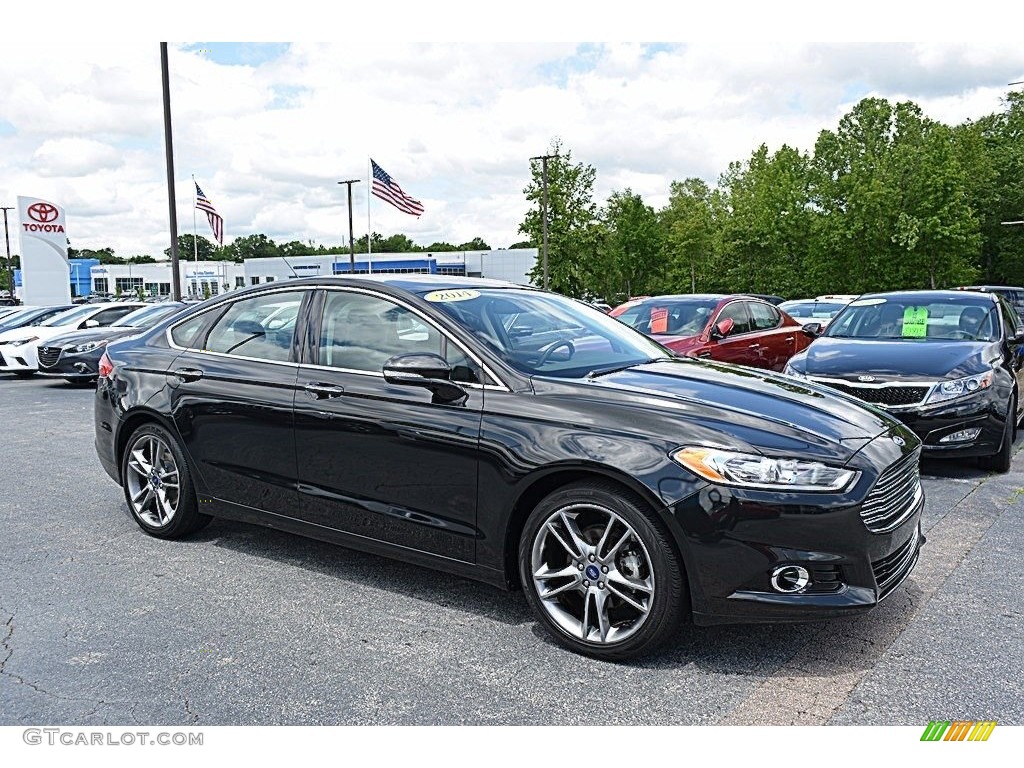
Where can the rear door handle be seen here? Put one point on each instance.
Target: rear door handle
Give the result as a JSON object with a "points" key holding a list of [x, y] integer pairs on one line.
{"points": [[754, 346], [319, 391], [789, 338], [188, 374]]}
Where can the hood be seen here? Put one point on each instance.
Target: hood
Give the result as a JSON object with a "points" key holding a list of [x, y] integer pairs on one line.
{"points": [[902, 360], [41, 332], [711, 403], [72, 338]]}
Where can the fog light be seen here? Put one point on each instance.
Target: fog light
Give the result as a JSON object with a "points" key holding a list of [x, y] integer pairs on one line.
{"points": [[790, 579], [962, 436]]}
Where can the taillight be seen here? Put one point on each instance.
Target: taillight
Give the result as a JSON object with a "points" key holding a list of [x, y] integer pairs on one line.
{"points": [[105, 367]]}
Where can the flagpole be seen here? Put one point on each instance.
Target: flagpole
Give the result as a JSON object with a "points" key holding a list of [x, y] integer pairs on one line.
{"points": [[195, 238], [369, 226]]}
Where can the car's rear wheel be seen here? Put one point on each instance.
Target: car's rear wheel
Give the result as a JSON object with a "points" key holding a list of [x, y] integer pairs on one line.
{"points": [[1000, 462], [158, 485], [600, 573]]}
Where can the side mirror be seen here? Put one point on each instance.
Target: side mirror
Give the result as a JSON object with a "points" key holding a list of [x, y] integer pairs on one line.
{"points": [[90, 324], [429, 371], [722, 328], [812, 329]]}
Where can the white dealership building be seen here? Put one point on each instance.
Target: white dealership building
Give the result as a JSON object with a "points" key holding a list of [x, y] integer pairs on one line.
{"points": [[213, 277]]}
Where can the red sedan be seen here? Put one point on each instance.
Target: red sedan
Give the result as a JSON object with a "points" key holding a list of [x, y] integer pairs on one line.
{"points": [[734, 329]]}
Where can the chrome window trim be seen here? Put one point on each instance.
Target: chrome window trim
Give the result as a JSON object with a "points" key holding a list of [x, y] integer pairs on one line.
{"points": [[501, 386]]}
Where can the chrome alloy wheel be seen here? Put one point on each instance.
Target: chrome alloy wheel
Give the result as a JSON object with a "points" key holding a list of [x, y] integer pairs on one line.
{"points": [[592, 573], [152, 481]]}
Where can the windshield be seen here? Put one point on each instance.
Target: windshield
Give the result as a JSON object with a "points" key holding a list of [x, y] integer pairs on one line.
{"points": [[811, 309], [917, 318], [543, 333], [16, 317], [147, 316], [670, 317], [69, 317]]}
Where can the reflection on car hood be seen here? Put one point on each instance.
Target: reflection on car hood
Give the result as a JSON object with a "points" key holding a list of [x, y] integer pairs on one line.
{"points": [[717, 403], [676, 342], [93, 334], [848, 358]]}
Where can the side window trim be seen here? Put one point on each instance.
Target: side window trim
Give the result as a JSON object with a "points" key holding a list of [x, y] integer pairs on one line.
{"points": [[742, 304], [311, 359]]}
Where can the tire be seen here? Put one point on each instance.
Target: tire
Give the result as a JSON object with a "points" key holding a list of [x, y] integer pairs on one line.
{"points": [[1000, 461], [600, 532], [152, 462]]}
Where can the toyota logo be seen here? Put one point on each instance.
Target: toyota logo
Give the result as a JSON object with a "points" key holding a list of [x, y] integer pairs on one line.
{"points": [[42, 212]]}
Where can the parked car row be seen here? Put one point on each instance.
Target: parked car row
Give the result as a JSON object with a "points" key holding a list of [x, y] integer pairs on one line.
{"points": [[617, 469]]}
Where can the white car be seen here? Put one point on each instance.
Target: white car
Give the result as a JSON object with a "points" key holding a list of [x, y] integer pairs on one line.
{"points": [[18, 346]]}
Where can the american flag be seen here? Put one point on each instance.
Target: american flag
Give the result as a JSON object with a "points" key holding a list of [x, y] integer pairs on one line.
{"points": [[216, 220], [387, 189]]}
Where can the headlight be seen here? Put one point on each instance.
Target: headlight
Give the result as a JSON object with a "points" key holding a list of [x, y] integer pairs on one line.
{"points": [[950, 390], [21, 342], [88, 346], [789, 370], [753, 471]]}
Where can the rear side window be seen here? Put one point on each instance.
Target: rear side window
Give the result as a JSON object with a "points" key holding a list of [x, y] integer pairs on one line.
{"points": [[184, 335], [764, 316], [261, 327]]}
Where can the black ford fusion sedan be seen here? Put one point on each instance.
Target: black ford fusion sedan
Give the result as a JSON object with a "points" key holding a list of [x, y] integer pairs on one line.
{"points": [[520, 438], [75, 356], [948, 364]]}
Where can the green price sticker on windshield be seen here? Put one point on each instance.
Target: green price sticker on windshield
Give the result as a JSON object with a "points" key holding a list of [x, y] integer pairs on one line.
{"points": [[915, 322]]}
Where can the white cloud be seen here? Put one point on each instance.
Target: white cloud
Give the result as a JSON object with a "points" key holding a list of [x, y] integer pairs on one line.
{"points": [[455, 124]]}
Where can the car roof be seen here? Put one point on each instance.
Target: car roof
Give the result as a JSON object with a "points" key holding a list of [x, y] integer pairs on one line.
{"points": [[930, 295], [413, 282]]}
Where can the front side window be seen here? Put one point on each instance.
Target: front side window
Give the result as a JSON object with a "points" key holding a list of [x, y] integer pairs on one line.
{"points": [[260, 327], [737, 312], [361, 332]]}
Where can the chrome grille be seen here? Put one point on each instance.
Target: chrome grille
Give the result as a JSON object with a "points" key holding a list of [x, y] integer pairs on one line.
{"points": [[48, 356], [895, 495], [890, 394], [892, 569]]}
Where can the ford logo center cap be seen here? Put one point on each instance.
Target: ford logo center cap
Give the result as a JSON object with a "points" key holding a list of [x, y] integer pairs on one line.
{"points": [[592, 572]]}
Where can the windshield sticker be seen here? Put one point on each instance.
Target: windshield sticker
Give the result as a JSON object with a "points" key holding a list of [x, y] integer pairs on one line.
{"points": [[866, 302], [452, 295], [915, 322], [659, 320]]}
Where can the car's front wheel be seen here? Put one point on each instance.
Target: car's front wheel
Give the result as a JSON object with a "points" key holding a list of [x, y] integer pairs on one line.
{"points": [[158, 485], [600, 573]]}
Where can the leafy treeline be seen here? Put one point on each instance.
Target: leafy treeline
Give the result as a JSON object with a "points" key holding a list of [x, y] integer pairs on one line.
{"points": [[261, 246], [888, 199]]}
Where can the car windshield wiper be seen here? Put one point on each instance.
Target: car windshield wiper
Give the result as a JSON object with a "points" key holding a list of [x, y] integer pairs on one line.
{"points": [[604, 371]]}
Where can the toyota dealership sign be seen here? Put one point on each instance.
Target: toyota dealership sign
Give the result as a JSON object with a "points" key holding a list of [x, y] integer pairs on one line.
{"points": [[44, 252]]}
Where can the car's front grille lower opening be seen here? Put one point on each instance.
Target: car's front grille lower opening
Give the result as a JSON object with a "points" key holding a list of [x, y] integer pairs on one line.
{"points": [[892, 569]]}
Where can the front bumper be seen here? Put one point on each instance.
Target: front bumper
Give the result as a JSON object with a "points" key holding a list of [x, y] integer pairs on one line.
{"points": [[984, 412], [15, 359], [735, 539], [82, 366]]}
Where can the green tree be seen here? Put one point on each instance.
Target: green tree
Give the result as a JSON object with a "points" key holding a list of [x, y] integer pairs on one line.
{"points": [[476, 244], [187, 251], [398, 244], [571, 212], [895, 202], [766, 236], [441, 248], [257, 246], [378, 243], [690, 232], [630, 258], [142, 258]]}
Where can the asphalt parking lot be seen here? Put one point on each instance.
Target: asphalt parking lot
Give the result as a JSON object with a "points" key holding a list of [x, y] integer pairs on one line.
{"points": [[101, 624]]}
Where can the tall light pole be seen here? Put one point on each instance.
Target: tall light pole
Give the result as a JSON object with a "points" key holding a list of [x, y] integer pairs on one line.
{"points": [[351, 242], [7, 239], [544, 209], [172, 202]]}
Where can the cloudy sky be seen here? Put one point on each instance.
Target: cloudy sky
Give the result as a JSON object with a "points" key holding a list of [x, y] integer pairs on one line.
{"points": [[268, 129]]}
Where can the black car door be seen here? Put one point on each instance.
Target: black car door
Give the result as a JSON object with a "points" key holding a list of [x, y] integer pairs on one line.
{"points": [[232, 391], [380, 460]]}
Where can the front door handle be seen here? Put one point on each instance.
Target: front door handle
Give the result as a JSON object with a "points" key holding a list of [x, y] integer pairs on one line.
{"points": [[754, 346], [188, 374], [319, 391], [789, 338]]}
